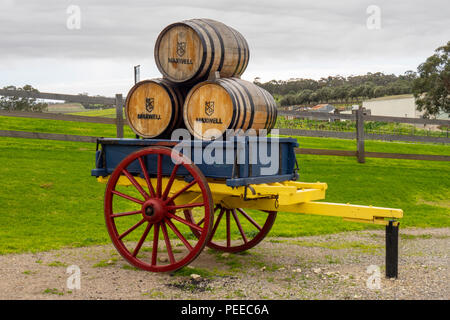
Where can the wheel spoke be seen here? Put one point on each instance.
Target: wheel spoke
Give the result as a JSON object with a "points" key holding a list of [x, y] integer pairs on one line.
{"points": [[159, 176], [185, 188], [131, 229], [213, 232], [136, 184], [155, 244], [122, 214], [193, 226], [186, 206], [120, 194], [179, 235], [170, 182], [147, 177], [238, 223], [141, 241], [228, 229], [168, 245], [201, 221], [250, 219]]}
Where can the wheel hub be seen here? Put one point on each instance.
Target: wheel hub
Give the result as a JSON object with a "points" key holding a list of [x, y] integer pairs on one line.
{"points": [[149, 211], [154, 210]]}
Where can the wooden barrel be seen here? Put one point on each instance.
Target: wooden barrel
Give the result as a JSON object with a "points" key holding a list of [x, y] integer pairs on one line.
{"points": [[154, 108], [228, 103], [190, 50]]}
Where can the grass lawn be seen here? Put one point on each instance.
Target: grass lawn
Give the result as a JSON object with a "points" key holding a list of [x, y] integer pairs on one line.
{"points": [[63, 127], [107, 113], [49, 200]]}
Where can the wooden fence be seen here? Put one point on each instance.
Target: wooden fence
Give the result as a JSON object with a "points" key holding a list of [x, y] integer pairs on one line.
{"points": [[119, 121], [359, 117], [117, 102]]}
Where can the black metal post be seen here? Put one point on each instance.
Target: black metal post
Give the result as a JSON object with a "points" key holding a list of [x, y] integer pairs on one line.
{"points": [[392, 249]]}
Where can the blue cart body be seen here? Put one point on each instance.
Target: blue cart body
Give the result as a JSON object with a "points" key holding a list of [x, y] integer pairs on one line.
{"points": [[240, 161]]}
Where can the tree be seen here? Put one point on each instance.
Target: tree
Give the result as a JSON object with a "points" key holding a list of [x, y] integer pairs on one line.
{"points": [[335, 88], [12, 103], [432, 87]]}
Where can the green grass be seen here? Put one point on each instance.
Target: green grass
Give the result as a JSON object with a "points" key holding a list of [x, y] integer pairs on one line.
{"points": [[187, 271], [57, 264], [34, 218], [107, 113], [63, 127], [48, 199], [53, 291]]}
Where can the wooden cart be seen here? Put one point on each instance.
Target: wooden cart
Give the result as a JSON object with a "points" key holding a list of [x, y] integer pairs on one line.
{"points": [[165, 200]]}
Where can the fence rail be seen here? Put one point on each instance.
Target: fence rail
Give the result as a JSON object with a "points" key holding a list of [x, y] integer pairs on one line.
{"points": [[367, 136], [57, 116], [349, 153], [46, 136]]}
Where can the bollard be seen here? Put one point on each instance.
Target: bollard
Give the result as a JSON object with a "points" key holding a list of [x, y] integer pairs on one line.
{"points": [[392, 249]]}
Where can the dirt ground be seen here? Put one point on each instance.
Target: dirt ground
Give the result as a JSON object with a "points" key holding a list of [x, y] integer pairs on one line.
{"points": [[318, 267]]}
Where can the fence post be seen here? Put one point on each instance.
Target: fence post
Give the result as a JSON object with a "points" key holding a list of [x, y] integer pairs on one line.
{"points": [[119, 115], [360, 135]]}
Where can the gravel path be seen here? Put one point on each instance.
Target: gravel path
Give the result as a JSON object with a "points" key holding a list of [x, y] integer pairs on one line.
{"points": [[319, 267]]}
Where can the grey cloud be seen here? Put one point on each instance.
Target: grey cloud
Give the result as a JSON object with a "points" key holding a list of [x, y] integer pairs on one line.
{"points": [[284, 35]]}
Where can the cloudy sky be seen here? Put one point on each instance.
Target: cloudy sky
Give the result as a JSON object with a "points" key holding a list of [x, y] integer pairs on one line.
{"points": [[287, 38]]}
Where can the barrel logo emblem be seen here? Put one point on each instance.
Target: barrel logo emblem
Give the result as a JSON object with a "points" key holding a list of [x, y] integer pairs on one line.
{"points": [[149, 104], [209, 108], [181, 48]]}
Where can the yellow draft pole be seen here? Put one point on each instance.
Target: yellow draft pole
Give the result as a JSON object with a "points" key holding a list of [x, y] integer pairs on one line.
{"points": [[289, 196], [356, 213]]}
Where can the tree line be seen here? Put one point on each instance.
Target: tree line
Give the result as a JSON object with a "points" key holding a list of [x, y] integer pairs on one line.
{"points": [[338, 89], [12, 103]]}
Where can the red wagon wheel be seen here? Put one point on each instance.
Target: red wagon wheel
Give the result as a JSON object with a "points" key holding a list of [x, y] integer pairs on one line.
{"points": [[132, 214], [249, 238]]}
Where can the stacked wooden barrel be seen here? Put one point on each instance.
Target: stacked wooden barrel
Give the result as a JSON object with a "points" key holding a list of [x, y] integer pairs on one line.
{"points": [[201, 61]]}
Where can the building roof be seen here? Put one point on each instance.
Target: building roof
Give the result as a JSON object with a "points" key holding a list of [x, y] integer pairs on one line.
{"points": [[326, 107]]}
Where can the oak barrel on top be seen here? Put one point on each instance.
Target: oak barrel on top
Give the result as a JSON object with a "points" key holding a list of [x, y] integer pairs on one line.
{"points": [[212, 107], [190, 50], [154, 108]]}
